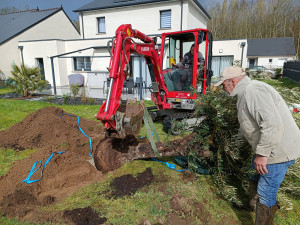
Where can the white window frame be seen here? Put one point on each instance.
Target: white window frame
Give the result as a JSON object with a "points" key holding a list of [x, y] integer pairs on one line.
{"points": [[101, 29], [165, 19]]}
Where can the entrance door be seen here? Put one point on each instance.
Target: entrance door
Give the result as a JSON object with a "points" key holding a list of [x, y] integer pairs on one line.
{"points": [[40, 64], [251, 63]]}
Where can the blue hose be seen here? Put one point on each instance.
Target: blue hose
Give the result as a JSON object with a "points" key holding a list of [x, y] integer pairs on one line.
{"points": [[91, 146], [170, 165], [33, 170]]}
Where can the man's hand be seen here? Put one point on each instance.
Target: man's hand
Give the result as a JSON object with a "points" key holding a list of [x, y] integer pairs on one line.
{"points": [[260, 164]]}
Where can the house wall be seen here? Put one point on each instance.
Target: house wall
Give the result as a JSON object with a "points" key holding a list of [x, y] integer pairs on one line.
{"points": [[47, 29], [12, 55], [277, 61], [44, 50], [64, 66], [231, 48], [195, 18], [145, 18]]}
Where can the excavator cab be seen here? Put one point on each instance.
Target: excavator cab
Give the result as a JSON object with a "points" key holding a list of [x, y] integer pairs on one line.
{"points": [[184, 61], [186, 66]]}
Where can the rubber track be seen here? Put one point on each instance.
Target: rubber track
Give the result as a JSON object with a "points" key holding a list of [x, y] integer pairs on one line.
{"points": [[167, 123]]}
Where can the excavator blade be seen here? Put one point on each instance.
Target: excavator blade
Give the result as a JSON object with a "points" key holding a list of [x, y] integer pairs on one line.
{"points": [[129, 118]]}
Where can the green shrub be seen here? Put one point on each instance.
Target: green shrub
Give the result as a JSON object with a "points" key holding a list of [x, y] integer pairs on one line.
{"points": [[26, 80], [67, 98], [91, 101], [74, 90], [278, 71]]}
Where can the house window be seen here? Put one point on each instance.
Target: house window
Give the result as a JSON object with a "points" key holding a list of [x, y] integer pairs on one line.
{"points": [[165, 19], [101, 25], [82, 64], [270, 60]]}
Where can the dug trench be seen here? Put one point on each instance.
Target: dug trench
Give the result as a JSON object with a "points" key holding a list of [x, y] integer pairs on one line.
{"points": [[50, 131]]}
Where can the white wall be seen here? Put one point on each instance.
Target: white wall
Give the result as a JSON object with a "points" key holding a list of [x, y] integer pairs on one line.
{"points": [[45, 49], [231, 48], [64, 66], [10, 54], [277, 61], [194, 18], [145, 18], [57, 26]]}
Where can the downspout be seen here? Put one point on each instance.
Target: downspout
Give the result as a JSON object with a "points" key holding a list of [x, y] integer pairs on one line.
{"points": [[181, 15], [243, 45], [53, 76], [82, 27]]}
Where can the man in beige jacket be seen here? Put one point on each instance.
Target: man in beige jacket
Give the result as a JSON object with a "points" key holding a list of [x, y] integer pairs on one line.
{"points": [[267, 124]]}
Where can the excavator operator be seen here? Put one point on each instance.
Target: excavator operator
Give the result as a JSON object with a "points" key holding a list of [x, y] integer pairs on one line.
{"points": [[186, 75]]}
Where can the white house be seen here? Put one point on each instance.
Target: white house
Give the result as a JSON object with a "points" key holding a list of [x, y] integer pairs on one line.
{"points": [[268, 52], [31, 25], [88, 55]]}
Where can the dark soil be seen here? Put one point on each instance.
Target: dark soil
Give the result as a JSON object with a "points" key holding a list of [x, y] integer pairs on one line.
{"points": [[127, 184], [85, 216]]}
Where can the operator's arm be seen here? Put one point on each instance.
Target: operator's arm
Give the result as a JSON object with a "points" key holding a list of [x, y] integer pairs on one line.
{"points": [[263, 110], [184, 61]]}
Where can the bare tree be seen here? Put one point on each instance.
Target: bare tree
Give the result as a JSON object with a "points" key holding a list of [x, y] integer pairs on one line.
{"points": [[255, 19]]}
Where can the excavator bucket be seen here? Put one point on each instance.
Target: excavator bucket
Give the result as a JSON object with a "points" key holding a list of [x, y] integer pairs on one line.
{"points": [[129, 118]]}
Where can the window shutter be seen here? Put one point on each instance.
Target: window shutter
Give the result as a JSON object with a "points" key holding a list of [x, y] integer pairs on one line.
{"points": [[165, 19], [101, 25]]}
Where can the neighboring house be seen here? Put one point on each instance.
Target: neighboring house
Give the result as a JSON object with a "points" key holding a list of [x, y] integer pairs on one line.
{"points": [[268, 52], [32, 24], [99, 20]]}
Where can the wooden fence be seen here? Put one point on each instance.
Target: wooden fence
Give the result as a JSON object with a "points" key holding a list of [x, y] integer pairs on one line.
{"points": [[291, 70]]}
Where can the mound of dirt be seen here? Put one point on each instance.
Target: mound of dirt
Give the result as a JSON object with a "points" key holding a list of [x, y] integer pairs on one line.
{"points": [[64, 174]]}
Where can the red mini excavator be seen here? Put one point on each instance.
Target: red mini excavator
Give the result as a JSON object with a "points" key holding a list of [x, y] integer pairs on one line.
{"points": [[172, 81]]}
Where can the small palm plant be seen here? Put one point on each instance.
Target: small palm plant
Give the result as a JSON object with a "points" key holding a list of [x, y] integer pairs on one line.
{"points": [[26, 80]]}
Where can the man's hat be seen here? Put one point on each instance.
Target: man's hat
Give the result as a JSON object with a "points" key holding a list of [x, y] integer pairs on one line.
{"points": [[229, 73]]}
